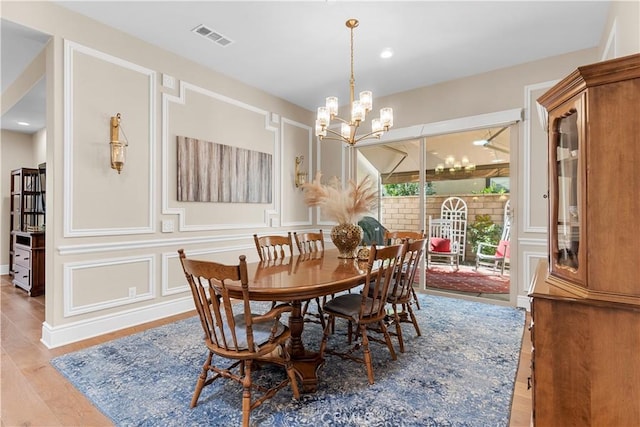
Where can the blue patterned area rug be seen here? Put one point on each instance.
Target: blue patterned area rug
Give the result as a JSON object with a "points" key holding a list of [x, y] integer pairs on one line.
{"points": [[460, 372]]}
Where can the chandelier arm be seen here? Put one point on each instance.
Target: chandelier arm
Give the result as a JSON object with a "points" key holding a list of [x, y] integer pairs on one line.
{"points": [[335, 138], [340, 119], [369, 135], [333, 132]]}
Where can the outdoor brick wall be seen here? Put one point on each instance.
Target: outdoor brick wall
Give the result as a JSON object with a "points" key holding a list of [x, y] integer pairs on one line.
{"points": [[402, 213]]}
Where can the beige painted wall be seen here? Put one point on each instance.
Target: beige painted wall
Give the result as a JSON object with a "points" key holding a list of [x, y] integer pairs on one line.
{"points": [[483, 93], [107, 257], [119, 279], [622, 37]]}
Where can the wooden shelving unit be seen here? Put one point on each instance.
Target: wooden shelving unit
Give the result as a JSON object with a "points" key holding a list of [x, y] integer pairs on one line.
{"points": [[585, 309], [26, 243]]}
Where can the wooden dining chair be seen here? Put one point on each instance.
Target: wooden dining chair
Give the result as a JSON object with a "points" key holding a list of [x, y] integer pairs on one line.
{"points": [[309, 243], [273, 247], [366, 309], [234, 332], [401, 292], [399, 237]]}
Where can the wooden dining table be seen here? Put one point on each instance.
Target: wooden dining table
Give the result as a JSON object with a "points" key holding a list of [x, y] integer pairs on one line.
{"points": [[297, 279]]}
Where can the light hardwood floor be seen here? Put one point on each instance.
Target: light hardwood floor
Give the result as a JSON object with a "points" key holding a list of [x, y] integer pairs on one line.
{"points": [[35, 394]]}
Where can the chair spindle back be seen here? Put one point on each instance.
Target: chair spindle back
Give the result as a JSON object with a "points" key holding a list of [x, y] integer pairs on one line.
{"points": [[273, 247]]}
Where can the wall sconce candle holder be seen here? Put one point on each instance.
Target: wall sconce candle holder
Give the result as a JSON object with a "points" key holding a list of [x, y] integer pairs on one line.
{"points": [[118, 148], [300, 177]]}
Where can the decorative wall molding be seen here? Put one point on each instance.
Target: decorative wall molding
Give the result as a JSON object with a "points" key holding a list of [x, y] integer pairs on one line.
{"points": [[533, 242], [168, 288], [311, 177], [91, 248], [70, 50], [57, 336], [343, 162], [529, 259], [70, 309], [309, 155], [527, 226], [269, 125]]}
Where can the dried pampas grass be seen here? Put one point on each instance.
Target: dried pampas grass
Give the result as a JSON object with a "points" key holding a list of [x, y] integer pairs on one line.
{"points": [[341, 205]]}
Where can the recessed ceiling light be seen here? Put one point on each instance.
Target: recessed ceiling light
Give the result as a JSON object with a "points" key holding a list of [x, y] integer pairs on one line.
{"points": [[480, 142], [386, 53], [24, 124]]}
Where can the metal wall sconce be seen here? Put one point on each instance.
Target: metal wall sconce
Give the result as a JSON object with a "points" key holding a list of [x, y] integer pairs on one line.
{"points": [[300, 177], [118, 148]]}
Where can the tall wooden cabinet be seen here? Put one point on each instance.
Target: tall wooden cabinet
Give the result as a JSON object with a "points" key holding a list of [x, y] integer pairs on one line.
{"points": [[26, 243], [586, 299]]}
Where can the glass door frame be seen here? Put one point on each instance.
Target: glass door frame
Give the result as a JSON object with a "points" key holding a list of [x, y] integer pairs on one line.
{"points": [[424, 131]]}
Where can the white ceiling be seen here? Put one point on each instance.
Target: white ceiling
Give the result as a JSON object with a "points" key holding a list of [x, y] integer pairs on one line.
{"points": [[19, 46], [299, 50]]}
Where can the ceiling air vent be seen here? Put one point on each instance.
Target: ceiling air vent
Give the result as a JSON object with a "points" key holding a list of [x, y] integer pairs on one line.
{"points": [[214, 36]]}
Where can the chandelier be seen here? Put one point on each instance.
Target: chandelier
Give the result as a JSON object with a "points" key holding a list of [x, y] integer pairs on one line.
{"points": [[359, 109]]}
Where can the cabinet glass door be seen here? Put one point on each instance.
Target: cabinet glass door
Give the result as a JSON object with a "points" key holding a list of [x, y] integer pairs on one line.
{"points": [[566, 194]]}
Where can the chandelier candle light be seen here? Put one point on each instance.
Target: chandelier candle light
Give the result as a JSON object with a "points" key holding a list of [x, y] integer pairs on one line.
{"points": [[359, 109]]}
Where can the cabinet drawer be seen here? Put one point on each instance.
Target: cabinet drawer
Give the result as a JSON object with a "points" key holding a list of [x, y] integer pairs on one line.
{"points": [[21, 276], [22, 257]]}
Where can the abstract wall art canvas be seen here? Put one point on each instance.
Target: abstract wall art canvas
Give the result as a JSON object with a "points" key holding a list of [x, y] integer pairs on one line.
{"points": [[211, 172]]}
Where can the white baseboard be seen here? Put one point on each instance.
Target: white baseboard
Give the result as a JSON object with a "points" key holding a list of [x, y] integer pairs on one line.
{"points": [[523, 301], [73, 332], [4, 269]]}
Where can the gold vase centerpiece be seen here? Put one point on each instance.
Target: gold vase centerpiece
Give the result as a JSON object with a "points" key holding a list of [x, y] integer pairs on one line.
{"points": [[345, 206], [346, 237]]}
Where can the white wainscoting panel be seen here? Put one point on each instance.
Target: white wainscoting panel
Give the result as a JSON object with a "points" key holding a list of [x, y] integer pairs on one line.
{"points": [[269, 126], [72, 51], [116, 268]]}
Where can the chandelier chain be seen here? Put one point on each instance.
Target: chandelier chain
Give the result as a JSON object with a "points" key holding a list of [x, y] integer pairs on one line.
{"points": [[352, 80]]}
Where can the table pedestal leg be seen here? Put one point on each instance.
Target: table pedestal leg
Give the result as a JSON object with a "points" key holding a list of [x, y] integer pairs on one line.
{"points": [[306, 363]]}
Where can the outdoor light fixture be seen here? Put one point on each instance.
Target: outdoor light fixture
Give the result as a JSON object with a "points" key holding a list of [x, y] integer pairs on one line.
{"points": [[359, 108], [118, 148], [453, 165], [300, 177]]}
